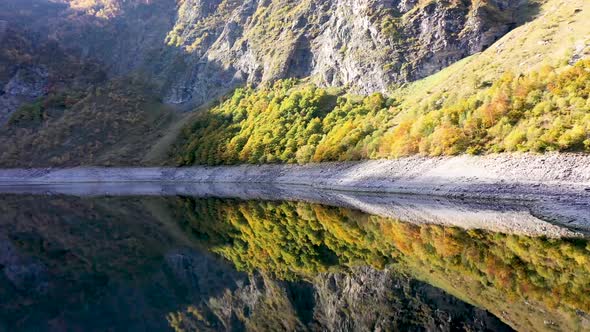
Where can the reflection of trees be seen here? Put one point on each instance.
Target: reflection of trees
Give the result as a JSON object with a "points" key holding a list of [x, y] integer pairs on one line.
{"points": [[544, 281]]}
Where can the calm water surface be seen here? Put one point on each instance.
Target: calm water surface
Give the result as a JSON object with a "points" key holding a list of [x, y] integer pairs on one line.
{"points": [[209, 264]]}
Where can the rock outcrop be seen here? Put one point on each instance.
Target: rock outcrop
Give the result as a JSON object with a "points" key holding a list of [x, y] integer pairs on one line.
{"points": [[367, 45], [363, 299], [33, 64], [20, 79]]}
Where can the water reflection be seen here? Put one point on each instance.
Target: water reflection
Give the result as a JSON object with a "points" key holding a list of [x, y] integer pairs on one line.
{"points": [[186, 263]]}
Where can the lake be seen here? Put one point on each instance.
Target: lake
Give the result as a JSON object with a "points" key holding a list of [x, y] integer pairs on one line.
{"points": [[124, 258]]}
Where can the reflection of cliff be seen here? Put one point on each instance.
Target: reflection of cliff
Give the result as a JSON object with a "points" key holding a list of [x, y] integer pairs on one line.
{"points": [[127, 263], [369, 299], [123, 264], [363, 299], [531, 283]]}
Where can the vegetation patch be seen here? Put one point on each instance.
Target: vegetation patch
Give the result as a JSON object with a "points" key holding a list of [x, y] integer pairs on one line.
{"points": [[546, 110], [116, 123]]}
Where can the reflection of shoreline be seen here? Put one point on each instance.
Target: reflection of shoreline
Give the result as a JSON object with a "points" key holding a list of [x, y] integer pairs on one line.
{"points": [[505, 216]]}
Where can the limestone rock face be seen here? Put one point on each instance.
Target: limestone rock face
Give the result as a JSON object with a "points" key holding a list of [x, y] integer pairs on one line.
{"points": [[367, 45], [196, 50]]}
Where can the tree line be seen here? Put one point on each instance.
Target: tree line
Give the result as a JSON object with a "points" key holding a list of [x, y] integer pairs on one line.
{"points": [[546, 110]]}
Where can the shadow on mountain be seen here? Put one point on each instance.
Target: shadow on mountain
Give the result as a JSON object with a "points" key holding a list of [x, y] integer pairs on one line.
{"points": [[98, 88]]}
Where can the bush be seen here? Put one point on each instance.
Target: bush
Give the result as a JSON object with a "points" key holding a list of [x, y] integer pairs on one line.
{"points": [[29, 114]]}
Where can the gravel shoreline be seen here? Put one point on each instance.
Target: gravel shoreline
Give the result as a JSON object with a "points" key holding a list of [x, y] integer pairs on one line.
{"points": [[502, 176]]}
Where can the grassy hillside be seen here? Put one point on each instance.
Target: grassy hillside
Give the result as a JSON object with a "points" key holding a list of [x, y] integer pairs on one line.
{"points": [[559, 35], [528, 92]]}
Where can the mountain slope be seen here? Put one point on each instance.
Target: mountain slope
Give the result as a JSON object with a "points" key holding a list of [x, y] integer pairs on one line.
{"points": [[558, 36], [503, 99], [192, 52], [195, 49]]}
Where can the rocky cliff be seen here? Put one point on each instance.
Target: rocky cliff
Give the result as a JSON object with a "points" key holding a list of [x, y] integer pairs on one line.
{"points": [[367, 45], [197, 49]]}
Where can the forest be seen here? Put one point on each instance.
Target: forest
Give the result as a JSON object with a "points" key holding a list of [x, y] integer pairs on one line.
{"points": [[293, 122]]}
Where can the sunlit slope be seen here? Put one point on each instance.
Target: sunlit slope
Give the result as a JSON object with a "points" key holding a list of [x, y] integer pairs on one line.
{"points": [[541, 111], [559, 35], [527, 92]]}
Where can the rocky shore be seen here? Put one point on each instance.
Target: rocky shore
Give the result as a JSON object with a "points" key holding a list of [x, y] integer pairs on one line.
{"points": [[502, 176]]}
